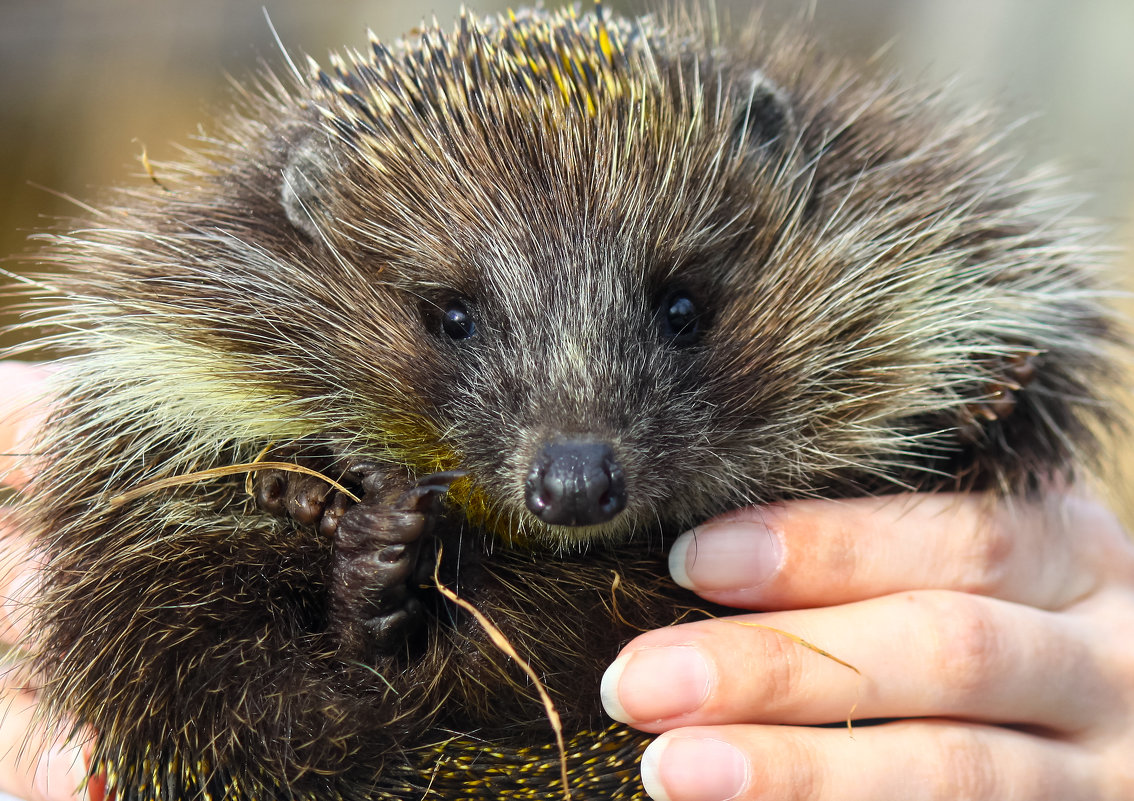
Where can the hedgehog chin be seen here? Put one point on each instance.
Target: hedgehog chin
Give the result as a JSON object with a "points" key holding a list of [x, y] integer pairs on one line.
{"points": [[579, 538]]}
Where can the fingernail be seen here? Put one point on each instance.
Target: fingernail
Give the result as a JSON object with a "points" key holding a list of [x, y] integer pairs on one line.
{"points": [[60, 773], [693, 769], [651, 684], [725, 556]]}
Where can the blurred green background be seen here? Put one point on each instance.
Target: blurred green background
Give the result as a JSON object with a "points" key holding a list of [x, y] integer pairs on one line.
{"points": [[83, 85]]}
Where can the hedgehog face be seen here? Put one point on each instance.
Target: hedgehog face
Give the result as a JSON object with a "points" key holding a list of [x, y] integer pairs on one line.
{"points": [[569, 389]]}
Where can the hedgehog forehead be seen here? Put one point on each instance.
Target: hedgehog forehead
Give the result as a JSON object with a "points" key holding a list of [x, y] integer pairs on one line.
{"points": [[552, 277], [497, 227], [543, 257], [553, 262], [457, 213]]}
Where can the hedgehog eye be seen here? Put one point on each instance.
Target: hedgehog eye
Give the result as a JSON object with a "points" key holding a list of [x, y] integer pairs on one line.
{"points": [[456, 322], [678, 318]]}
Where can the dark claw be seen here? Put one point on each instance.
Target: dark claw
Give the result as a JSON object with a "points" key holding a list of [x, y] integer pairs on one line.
{"points": [[392, 553], [390, 630], [443, 479], [370, 475], [427, 488], [269, 488], [332, 513], [390, 569], [305, 497], [360, 470]]}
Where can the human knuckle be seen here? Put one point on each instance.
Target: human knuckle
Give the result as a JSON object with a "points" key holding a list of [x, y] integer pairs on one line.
{"points": [[782, 672], [838, 552], [982, 550], [967, 651], [1110, 545]]}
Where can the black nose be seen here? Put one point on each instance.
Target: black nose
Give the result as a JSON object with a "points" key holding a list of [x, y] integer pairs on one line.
{"points": [[575, 483]]}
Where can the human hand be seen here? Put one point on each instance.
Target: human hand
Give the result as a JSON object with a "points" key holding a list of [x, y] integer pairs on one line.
{"points": [[36, 763], [996, 637]]}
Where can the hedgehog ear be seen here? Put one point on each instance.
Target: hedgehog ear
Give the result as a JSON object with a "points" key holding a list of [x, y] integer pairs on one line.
{"points": [[306, 185], [765, 117]]}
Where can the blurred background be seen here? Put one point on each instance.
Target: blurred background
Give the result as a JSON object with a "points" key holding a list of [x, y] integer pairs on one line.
{"points": [[85, 86]]}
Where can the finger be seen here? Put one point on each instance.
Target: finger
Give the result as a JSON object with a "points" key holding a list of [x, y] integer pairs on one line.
{"points": [[35, 764], [23, 407], [19, 577], [818, 553], [922, 654], [901, 761]]}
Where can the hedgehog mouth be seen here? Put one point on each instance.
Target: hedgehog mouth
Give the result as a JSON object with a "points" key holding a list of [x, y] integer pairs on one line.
{"points": [[512, 525]]}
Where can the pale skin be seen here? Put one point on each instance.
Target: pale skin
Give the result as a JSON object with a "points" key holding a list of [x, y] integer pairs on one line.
{"points": [[35, 764], [998, 640]]}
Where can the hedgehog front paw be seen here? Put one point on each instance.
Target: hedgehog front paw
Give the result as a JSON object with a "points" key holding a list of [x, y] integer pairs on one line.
{"points": [[295, 496], [374, 574], [307, 500], [376, 566]]}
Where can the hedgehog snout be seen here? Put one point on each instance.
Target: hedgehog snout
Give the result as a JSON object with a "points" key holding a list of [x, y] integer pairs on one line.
{"points": [[575, 482]]}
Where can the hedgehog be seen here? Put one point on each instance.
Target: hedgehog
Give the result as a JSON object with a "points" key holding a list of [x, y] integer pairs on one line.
{"points": [[494, 313]]}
